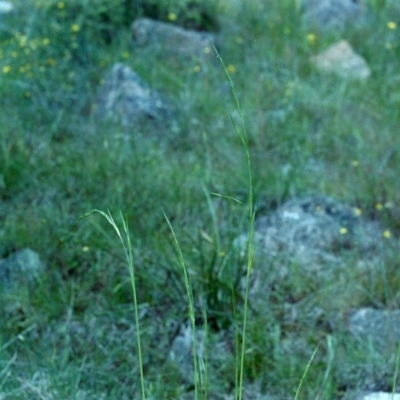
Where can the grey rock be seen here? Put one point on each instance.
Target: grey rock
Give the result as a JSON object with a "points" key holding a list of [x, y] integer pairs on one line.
{"points": [[181, 352], [174, 42], [125, 97], [333, 14], [381, 328], [212, 350], [313, 230], [341, 59], [6, 7], [20, 267], [378, 396]]}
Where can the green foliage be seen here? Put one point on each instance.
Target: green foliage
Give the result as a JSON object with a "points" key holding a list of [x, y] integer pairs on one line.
{"points": [[74, 335], [191, 14]]}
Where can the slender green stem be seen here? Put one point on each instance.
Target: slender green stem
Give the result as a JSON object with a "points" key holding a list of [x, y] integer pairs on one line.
{"points": [[128, 250], [305, 373], [188, 286], [242, 133]]}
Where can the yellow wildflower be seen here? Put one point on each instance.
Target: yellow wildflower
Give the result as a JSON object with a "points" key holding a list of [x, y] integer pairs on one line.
{"points": [[85, 248], [6, 69], [52, 62], [378, 206], [391, 25], [311, 38], [22, 40], [357, 211], [75, 28], [172, 16], [386, 234], [231, 69], [343, 230]]}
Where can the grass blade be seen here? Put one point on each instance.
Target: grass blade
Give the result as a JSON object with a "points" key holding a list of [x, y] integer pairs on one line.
{"points": [[128, 250]]}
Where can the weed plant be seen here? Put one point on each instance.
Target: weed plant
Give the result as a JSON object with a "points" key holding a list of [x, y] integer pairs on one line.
{"points": [[73, 336]]}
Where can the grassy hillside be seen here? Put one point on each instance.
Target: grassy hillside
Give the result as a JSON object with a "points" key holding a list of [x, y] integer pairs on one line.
{"points": [[73, 335]]}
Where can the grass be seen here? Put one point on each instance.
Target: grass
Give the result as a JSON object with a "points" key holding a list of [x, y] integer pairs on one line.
{"points": [[74, 335]]}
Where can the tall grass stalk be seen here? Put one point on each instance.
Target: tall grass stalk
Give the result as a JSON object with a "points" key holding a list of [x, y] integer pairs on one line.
{"points": [[297, 4], [242, 134], [196, 362], [128, 250]]}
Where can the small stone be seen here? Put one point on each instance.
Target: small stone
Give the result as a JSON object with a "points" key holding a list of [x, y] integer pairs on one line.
{"points": [[127, 98], [379, 396], [341, 59], [20, 267], [5, 7], [181, 352]]}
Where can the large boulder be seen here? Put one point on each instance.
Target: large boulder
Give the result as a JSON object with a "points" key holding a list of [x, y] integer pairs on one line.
{"points": [[126, 98], [174, 42]]}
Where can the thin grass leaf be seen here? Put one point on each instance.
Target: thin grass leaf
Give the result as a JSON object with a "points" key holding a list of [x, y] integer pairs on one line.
{"points": [[189, 291], [227, 198], [128, 250], [250, 250], [305, 373]]}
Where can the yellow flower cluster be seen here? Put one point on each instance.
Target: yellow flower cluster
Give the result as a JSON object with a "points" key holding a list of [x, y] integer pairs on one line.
{"points": [[16, 54]]}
